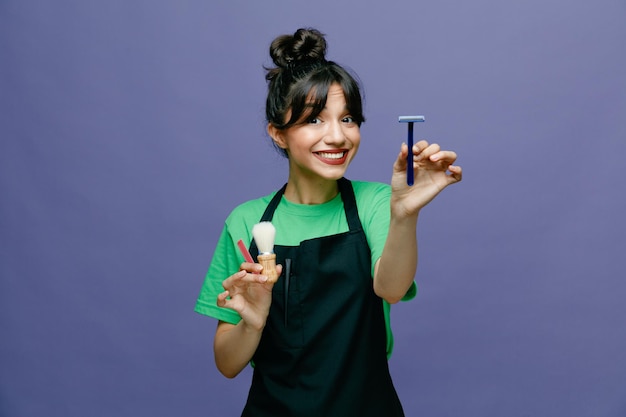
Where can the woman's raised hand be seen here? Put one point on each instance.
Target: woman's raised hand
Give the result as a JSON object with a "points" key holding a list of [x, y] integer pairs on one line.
{"points": [[433, 171]]}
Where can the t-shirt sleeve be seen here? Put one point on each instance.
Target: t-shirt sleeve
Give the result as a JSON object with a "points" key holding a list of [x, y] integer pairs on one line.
{"points": [[225, 262], [376, 204], [375, 216]]}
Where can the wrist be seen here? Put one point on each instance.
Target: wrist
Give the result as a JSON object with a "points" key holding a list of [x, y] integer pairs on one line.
{"points": [[400, 214], [252, 328], [403, 223]]}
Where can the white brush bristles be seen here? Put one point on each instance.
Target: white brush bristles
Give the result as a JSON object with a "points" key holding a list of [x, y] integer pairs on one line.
{"points": [[264, 234]]}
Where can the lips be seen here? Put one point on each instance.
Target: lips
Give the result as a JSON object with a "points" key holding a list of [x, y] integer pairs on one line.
{"points": [[334, 157]]}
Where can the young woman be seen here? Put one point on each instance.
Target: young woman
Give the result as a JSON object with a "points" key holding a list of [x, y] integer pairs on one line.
{"points": [[319, 338]]}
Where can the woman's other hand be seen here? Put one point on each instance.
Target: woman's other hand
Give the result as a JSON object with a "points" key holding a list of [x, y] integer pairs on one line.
{"points": [[249, 294]]}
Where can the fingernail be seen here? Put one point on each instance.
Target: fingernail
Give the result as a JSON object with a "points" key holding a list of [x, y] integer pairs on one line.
{"points": [[262, 278]]}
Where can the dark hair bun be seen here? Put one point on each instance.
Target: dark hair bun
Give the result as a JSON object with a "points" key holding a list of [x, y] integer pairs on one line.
{"points": [[304, 47]]}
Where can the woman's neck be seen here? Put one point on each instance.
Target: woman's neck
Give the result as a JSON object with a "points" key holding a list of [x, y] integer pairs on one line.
{"points": [[301, 191]]}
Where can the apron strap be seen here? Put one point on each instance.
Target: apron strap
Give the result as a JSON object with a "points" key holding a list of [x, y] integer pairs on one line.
{"points": [[271, 207], [349, 204]]}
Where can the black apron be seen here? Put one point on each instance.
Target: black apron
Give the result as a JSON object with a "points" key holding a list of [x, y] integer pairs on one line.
{"points": [[323, 348]]}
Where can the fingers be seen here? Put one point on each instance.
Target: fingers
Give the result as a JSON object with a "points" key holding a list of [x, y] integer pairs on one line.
{"points": [[237, 284], [431, 152], [244, 280], [423, 150], [400, 164], [257, 268], [243, 277], [456, 173], [444, 156], [253, 268], [222, 298]]}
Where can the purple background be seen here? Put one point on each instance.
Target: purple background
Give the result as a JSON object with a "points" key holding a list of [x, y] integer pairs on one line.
{"points": [[129, 130]]}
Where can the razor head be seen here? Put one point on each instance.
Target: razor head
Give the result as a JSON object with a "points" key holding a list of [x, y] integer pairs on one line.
{"points": [[411, 119]]}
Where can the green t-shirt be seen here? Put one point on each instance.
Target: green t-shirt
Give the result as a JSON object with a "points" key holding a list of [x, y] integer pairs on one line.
{"points": [[295, 223]]}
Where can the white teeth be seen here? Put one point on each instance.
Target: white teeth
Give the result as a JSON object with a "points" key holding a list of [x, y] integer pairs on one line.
{"points": [[329, 155]]}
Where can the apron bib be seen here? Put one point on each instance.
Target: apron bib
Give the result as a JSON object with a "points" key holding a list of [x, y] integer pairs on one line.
{"points": [[323, 349]]}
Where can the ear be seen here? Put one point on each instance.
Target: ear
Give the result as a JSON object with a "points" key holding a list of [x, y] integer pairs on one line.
{"points": [[276, 135]]}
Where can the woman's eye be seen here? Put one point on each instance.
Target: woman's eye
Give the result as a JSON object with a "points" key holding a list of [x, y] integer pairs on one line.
{"points": [[348, 119], [315, 121]]}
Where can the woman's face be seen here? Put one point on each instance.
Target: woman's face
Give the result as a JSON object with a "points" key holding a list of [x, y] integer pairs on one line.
{"points": [[323, 147]]}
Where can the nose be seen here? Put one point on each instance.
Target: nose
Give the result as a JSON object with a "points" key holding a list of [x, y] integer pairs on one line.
{"points": [[335, 134]]}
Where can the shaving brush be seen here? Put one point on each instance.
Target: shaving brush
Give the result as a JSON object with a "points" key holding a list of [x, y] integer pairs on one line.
{"points": [[264, 234]]}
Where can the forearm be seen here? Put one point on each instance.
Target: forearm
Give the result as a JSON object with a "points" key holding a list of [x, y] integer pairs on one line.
{"points": [[234, 346], [397, 265]]}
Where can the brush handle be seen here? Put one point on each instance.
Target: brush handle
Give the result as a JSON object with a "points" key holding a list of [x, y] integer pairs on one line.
{"points": [[409, 157], [268, 261]]}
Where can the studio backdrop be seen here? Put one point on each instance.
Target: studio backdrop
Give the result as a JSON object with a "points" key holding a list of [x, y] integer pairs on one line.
{"points": [[130, 129]]}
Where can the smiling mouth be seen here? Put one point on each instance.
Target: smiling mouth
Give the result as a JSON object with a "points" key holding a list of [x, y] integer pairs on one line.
{"points": [[332, 158], [331, 155]]}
